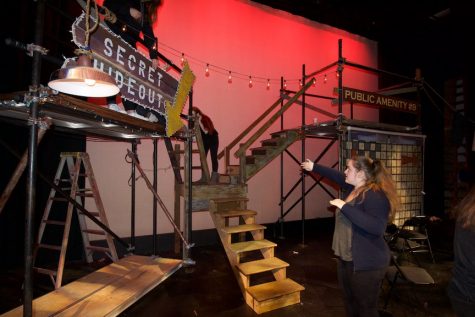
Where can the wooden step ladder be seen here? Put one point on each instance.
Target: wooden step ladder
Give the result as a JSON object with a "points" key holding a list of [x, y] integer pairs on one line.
{"points": [[72, 166], [242, 241]]}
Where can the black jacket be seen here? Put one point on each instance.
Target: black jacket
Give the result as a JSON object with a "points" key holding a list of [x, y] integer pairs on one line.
{"points": [[131, 32]]}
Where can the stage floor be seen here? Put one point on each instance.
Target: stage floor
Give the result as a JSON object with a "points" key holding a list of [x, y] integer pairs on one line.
{"points": [[209, 288], [105, 292]]}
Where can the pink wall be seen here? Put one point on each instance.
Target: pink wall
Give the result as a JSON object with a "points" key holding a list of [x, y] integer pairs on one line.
{"points": [[246, 39]]}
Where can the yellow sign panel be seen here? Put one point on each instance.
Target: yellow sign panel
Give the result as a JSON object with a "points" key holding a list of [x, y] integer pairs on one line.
{"points": [[174, 122]]}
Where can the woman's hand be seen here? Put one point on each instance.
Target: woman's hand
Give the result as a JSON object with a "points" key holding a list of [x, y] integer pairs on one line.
{"points": [[307, 165], [337, 203]]}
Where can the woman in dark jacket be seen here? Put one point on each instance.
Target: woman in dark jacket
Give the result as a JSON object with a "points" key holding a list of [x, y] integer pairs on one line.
{"points": [[461, 288], [369, 201]]}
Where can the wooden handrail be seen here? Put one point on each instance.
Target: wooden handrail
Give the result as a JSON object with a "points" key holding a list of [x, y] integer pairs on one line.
{"points": [[243, 148], [249, 128]]}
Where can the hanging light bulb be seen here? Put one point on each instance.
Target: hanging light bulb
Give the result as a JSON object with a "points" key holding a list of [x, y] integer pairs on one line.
{"points": [[83, 79], [268, 84], [182, 59], [230, 78], [250, 82], [314, 82], [325, 79], [285, 84], [207, 70], [124, 28], [337, 74], [300, 83]]}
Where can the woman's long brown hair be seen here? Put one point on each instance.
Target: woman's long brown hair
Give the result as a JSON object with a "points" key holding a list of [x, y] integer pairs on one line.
{"points": [[377, 178], [464, 211]]}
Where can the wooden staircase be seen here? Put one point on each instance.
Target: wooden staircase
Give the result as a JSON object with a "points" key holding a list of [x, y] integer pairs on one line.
{"points": [[263, 155], [250, 255], [261, 276]]}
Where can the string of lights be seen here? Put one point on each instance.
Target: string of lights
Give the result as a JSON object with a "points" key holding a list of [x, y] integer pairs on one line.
{"points": [[227, 72], [233, 74]]}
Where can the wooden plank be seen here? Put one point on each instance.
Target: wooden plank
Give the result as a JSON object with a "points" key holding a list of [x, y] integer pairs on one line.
{"points": [[236, 213], [263, 265], [274, 289], [251, 246], [242, 228], [93, 292], [276, 303]]}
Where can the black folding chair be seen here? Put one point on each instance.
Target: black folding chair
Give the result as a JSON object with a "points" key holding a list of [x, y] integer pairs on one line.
{"points": [[414, 276], [415, 236]]}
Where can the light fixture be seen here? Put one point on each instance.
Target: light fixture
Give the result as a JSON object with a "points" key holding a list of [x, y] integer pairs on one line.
{"points": [[82, 79]]}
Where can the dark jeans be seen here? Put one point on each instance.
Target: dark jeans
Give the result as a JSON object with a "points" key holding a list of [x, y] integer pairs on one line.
{"points": [[360, 289], [461, 305], [211, 144]]}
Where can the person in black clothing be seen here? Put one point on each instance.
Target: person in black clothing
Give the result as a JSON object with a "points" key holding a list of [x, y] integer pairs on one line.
{"points": [[369, 201], [210, 137], [461, 289], [133, 17]]}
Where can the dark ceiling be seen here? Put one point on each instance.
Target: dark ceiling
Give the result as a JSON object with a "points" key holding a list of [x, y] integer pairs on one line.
{"points": [[375, 19], [433, 35]]}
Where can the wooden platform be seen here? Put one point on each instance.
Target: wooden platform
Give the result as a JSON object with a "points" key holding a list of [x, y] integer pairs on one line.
{"points": [[106, 292]]}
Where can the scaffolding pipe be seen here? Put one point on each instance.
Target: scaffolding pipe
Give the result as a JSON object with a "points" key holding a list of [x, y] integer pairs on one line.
{"points": [[32, 165]]}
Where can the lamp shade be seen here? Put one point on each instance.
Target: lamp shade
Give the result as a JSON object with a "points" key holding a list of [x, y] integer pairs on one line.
{"points": [[83, 80]]}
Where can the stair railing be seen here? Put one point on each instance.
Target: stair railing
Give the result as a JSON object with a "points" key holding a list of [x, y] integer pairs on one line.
{"points": [[227, 149], [241, 152]]}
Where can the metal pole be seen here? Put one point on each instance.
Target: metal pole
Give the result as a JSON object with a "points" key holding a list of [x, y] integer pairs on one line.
{"points": [[32, 165], [188, 207], [132, 204], [340, 77], [303, 158], [281, 219], [155, 188]]}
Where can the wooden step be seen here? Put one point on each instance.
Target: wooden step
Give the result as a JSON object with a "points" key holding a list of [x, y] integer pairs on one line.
{"points": [[270, 142], [273, 295], [228, 199], [44, 271], [50, 246], [254, 245], [259, 150], [250, 159], [242, 228], [263, 265], [97, 249], [54, 222], [236, 213]]}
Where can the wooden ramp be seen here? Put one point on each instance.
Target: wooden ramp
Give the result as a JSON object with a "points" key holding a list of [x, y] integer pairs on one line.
{"points": [[106, 292]]}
